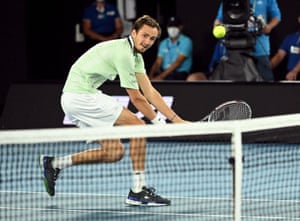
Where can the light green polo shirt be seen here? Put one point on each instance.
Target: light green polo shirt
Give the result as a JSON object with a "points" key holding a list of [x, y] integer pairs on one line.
{"points": [[105, 61]]}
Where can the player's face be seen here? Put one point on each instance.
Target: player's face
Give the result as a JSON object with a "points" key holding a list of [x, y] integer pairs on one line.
{"points": [[144, 38]]}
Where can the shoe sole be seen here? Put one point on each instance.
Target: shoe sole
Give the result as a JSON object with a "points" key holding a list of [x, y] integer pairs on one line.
{"points": [[138, 203]]}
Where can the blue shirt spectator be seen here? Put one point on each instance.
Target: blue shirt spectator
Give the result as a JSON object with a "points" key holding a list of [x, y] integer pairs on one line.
{"points": [[102, 22], [174, 58], [290, 47], [218, 54], [270, 15], [171, 50]]}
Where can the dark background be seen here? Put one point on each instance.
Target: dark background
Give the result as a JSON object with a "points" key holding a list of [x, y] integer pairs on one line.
{"points": [[38, 37], [34, 105]]}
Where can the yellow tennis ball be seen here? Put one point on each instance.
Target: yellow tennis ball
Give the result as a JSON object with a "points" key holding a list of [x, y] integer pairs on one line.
{"points": [[219, 31]]}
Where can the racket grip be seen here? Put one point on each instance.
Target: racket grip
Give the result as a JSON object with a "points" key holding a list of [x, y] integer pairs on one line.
{"points": [[205, 118]]}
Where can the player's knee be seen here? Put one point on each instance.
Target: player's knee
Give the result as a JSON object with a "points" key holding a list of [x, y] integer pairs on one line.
{"points": [[120, 152], [115, 154]]}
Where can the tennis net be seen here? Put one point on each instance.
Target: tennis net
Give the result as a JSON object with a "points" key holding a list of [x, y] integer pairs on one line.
{"points": [[233, 170]]}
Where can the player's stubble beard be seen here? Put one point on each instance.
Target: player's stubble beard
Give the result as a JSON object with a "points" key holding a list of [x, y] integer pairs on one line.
{"points": [[141, 51]]}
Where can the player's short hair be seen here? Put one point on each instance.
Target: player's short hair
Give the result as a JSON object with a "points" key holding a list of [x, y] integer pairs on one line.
{"points": [[146, 20]]}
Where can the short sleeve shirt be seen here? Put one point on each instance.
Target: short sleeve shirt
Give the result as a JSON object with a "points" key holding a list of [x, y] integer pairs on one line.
{"points": [[291, 45], [169, 51], [102, 22], [105, 61]]}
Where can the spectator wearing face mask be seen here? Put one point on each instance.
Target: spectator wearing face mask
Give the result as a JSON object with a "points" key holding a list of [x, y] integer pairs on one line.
{"points": [[174, 57]]}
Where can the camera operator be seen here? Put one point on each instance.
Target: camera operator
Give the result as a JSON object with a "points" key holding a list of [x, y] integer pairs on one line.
{"points": [[265, 15]]}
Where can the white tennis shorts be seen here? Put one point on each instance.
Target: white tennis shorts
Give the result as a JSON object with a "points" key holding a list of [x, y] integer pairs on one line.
{"points": [[91, 110]]}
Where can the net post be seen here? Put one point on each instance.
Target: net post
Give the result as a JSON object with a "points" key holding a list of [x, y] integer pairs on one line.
{"points": [[237, 169]]}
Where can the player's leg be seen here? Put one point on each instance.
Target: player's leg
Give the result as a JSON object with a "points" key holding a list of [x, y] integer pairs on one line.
{"points": [[139, 194], [108, 151], [83, 110]]}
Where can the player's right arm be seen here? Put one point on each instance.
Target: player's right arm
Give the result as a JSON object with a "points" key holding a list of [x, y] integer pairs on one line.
{"points": [[141, 103], [155, 98]]}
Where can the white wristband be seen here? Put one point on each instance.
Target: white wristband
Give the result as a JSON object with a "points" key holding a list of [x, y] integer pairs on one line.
{"points": [[158, 120]]}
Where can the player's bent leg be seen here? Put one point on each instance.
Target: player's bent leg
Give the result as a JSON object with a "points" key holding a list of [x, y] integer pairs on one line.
{"points": [[113, 150], [110, 151], [128, 118], [138, 153], [145, 196]]}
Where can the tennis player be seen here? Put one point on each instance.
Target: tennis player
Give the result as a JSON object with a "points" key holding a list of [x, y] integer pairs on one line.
{"points": [[86, 106]]}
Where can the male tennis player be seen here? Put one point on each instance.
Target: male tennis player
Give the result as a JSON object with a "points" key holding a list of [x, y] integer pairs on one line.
{"points": [[86, 106]]}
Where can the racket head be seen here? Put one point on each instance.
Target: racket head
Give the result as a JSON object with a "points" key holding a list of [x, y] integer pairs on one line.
{"points": [[231, 110]]}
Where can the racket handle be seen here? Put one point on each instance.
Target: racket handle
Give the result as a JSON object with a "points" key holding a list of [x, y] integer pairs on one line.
{"points": [[205, 118]]}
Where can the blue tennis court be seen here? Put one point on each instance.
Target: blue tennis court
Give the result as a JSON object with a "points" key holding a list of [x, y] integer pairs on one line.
{"points": [[196, 176]]}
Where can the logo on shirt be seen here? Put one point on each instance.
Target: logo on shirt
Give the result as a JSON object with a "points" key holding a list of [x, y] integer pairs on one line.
{"points": [[111, 13], [295, 50]]}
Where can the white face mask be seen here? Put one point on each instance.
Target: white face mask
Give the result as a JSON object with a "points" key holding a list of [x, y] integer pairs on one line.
{"points": [[173, 32]]}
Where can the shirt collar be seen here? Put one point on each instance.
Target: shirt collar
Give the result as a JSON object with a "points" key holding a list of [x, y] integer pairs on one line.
{"points": [[176, 42], [131, 43]]}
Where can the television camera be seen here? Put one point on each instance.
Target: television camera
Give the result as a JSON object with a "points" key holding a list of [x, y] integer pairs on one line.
{"points": [[241, 24]]}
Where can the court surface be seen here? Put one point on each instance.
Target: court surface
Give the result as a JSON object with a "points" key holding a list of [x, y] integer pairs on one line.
{"points": [[196, 177]]}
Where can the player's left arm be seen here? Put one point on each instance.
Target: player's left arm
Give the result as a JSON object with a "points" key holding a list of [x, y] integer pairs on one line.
{"points": [[155, 98]]}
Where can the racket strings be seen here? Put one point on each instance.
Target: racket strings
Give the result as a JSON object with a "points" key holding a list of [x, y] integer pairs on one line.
{"points": [[236, 111]]}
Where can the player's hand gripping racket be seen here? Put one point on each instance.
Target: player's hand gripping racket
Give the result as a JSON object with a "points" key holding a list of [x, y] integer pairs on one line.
{"points": [[230, 110]]}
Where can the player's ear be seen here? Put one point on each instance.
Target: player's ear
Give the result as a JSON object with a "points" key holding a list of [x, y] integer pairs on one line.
{"points": [[133, 33]]}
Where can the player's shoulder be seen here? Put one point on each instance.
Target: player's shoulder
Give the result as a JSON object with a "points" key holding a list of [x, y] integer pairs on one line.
{"points": [[118, 47]]}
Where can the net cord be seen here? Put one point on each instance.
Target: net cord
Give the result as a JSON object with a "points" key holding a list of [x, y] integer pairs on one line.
{"points": [[136, 131]]}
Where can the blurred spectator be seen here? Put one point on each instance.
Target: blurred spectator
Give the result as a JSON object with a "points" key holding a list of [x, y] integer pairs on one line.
{"points": [[294, 73], [101, 22], [290, 47], [218, 55], [269, 14], [174, 58]]}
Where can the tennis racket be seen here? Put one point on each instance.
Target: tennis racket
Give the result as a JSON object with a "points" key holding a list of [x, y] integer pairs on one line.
{"points": [[230, 110]]}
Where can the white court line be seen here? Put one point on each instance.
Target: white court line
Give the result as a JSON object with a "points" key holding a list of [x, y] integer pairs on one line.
{"points": [[93, 211]]}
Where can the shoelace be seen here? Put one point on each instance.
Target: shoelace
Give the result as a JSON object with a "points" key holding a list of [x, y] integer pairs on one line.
{"points": [[55, 175], [150, 190]]}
